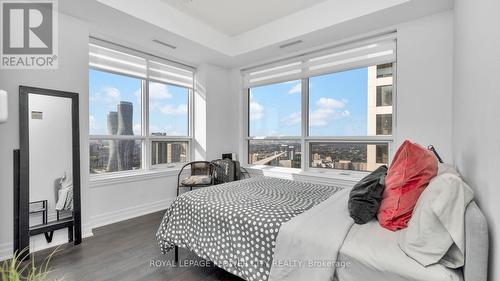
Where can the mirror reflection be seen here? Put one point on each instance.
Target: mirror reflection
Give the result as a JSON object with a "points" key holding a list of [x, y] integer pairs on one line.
{"points": [[50, 153]]}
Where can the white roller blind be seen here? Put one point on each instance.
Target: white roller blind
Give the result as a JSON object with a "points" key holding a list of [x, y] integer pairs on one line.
{"points": [[170, 74], [141, 66], [368, 52], [115, 61], [289, 71]]}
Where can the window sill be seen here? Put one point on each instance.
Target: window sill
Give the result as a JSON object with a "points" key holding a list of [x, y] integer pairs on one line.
{"points": [[331, 177], [127, 177]]}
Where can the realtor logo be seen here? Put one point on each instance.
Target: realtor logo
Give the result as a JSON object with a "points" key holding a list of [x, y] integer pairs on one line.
{"points": [[29, 34]]}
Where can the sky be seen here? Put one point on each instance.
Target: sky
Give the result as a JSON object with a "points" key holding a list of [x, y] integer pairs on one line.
{"points": [[168, 104], [337, 106]]}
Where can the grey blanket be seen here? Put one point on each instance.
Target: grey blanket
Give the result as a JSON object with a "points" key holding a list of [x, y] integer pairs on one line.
{"points": [[235, 225]]}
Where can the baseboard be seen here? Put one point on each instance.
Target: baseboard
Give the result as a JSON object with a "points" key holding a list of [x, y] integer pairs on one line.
{"points": [[129, 213], [96, 221]]}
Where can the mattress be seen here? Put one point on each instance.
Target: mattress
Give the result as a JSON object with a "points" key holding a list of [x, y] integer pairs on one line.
{"points": [[371, 252]]}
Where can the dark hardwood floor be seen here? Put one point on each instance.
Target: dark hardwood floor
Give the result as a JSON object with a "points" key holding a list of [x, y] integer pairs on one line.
{"points": [[125, 251]]}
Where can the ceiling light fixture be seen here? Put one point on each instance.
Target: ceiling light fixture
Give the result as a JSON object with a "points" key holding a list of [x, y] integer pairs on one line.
{"points": [[165, 44], [290, 44]]}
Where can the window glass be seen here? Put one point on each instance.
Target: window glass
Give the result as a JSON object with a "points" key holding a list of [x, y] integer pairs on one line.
{"points": [[382, 153], [114, 104], [338, 104], [384, 95], [384, 124], [115, 155], [168, 152], [384, 70], [274, 110], [275, 153], [168, 110], [347, 156]]}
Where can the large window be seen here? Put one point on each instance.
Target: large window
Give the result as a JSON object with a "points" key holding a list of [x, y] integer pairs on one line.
{"points": [[139, 117], [337, 115], [275, 110]]}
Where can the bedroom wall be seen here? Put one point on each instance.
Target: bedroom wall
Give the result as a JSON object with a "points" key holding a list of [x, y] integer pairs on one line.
{"points": [[70, 76], [476, 137], [425, 81], [221, 105]]}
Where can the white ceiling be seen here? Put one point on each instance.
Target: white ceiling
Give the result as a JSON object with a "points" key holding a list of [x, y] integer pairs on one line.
{"points": [[310, 19], [321, 25], [233, 17]]}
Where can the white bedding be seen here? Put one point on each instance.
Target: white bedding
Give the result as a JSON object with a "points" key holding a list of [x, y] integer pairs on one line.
{"points": [[436, 231], [307, 245], [372, 253]]}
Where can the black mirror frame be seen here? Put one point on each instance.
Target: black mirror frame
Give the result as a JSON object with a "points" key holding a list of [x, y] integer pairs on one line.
{"points": [[23, 232]]}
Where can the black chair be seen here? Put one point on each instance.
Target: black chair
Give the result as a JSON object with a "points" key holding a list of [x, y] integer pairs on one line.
{"points": [[227, 170], [202, 174], [224, 171], [241, 173]]}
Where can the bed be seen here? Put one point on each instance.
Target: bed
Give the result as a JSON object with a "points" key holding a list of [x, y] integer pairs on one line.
{"points": [[236, 225]]}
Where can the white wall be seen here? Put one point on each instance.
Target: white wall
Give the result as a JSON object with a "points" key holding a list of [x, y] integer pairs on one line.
{"points": [[216, 123], [476, 119], [70, 76], [424, 82], [221, 107], [113, 202]]}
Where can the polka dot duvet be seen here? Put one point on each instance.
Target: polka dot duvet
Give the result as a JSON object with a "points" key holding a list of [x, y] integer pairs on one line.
{"points": [[235, 225]]}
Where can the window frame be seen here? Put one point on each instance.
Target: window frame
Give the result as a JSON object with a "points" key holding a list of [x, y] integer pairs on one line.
{"points": [[306, 140], [147, 140]]}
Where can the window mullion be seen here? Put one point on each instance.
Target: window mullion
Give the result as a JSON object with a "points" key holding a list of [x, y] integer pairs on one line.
{"points": [[145, 125], [305, 122], [191, 118]]}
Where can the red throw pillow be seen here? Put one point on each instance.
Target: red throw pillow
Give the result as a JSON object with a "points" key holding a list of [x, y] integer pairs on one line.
{"points": [[411, 170]]}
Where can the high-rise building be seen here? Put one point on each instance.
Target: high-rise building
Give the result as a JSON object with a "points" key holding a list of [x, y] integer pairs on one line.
{"points": [[112, 119], [121, 152], [380, 82], [291, 152]]}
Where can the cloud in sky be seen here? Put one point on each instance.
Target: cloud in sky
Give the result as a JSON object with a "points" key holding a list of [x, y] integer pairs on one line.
{"points": [[169, 109], [256, 110], [296, 89], [159, 91], [112, 93], [328, 109], [93, 123], [137, 128], [107, 95], [293, 119]]}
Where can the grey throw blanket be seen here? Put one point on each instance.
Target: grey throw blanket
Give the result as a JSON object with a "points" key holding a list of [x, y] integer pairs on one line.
{"points": [[235, 225]]}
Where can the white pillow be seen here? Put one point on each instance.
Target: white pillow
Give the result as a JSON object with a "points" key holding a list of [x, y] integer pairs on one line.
{"points": [[444, 168], [436, 231]]}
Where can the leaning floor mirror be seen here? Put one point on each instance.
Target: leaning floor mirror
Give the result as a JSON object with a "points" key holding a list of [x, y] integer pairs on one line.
{"points": [[48, 195]]}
